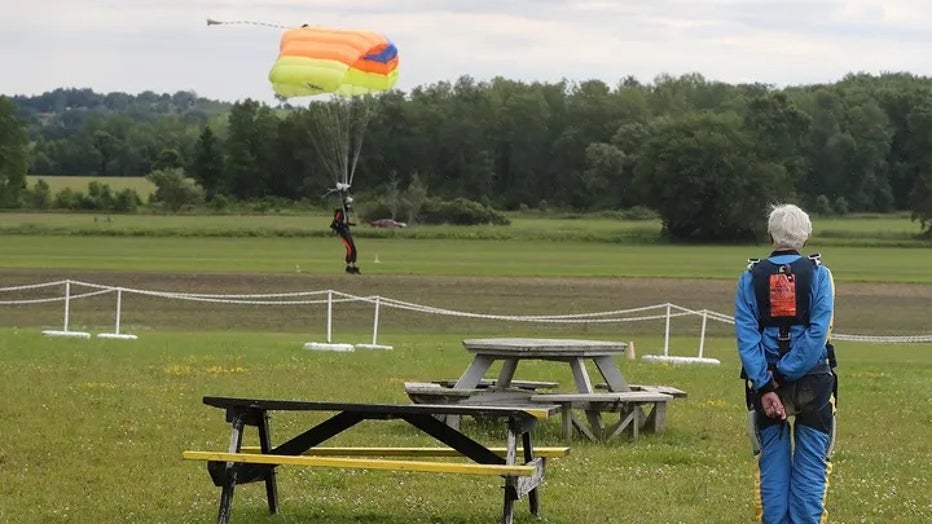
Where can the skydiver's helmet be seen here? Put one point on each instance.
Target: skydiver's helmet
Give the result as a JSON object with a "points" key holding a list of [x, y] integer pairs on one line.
{"points": [[348, 202]]}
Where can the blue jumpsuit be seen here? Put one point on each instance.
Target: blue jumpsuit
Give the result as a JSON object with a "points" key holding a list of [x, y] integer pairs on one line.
{"points": [[793, 480]]}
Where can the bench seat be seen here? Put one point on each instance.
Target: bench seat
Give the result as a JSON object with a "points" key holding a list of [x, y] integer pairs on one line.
{"points": [[629, 404], [335, 451], [357, 463]]}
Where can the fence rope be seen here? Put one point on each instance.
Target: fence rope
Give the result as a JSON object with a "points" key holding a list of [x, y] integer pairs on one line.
{"points": [[333, 296]]}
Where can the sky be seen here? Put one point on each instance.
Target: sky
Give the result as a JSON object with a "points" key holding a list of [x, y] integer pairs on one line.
{"points": [[166, 45]]}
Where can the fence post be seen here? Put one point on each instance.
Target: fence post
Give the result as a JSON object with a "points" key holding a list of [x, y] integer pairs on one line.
{"points": [[375, 322], [666, 334], [329, 315], [702, 335], [65, 332], [67, 303]]}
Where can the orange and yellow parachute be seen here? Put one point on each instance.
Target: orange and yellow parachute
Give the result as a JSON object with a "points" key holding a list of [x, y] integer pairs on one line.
{"points": [[317, 60]]}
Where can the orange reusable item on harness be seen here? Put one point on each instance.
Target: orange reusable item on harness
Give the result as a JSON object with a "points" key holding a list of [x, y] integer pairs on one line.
{"points": [[783, 293]]}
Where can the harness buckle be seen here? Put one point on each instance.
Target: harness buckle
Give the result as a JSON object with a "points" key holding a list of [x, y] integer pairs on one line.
{"points": [[783, 340]]}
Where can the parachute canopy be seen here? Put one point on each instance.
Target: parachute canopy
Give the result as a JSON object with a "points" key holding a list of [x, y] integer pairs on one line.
{"points": [[317, 60]]}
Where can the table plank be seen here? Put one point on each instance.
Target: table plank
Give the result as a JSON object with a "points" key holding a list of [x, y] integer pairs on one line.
{"points": [[543, 347], [544, 411]]}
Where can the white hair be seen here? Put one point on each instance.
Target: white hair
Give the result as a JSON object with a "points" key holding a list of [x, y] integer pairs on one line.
{"points": [[789, 226]]}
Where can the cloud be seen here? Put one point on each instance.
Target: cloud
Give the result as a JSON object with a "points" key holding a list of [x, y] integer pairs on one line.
{"points": [[165, 45]]}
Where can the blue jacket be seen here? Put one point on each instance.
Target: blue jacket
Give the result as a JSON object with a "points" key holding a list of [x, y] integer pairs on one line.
{"points": [[807, 344]]}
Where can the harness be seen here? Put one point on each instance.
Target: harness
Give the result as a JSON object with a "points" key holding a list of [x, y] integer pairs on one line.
{"points": [[783, 293]]}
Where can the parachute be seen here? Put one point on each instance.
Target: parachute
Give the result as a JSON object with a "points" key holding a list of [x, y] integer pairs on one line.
{"points": [[352, 66], [347, 69], [315, 60]]}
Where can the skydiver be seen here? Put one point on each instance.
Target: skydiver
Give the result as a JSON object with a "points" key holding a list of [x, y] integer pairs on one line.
{"points": [[341, 224]]}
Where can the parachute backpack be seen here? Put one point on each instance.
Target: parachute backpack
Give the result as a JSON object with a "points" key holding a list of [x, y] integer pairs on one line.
{"points": [[782, 292]]}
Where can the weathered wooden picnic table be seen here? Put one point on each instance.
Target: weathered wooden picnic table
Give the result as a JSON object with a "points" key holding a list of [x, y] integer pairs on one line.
{"points": [[574, 352]]}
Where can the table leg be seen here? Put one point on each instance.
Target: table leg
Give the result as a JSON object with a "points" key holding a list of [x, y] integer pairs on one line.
{"points": [[469, 380], [507, 373], [610, 372], [271, 485], [511, 492], [474, 373], [528, 457], [584, 385], [230, 472]]}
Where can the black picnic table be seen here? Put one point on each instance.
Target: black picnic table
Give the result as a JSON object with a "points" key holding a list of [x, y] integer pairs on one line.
{"points": [[241, 412]]}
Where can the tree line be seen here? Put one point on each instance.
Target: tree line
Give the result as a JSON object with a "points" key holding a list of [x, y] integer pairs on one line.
{"points": [[707, 156]]}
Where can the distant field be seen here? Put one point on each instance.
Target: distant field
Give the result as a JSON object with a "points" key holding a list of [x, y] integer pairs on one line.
{"points": [[405, 256], [873, 231], [79, 183]]}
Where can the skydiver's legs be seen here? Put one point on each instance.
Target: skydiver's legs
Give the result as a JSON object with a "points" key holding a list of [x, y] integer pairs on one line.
{"points": [[814, 428], [350, 252]]}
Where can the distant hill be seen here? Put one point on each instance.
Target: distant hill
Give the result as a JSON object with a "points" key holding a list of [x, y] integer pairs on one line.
{"points": [[52, 106]]}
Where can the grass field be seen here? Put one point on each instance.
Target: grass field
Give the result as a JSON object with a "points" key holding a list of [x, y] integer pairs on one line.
{"points": [[94, 429], [79, 183], [856, 231], [324, 255]]}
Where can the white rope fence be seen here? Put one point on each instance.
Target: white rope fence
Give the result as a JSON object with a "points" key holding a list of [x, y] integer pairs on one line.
{"points": [[330, 297]]}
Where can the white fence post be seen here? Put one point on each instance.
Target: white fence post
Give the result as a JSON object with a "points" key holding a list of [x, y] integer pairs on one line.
{"points": [[116, 329], [702, 334], [329, 315], [329, 345], [375, 329], [666, 334], [65, 332]]}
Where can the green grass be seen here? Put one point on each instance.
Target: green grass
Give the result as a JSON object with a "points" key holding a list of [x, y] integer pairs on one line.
{"points": [[94, 430], [863, 231], [79, 183], [439, 257]]}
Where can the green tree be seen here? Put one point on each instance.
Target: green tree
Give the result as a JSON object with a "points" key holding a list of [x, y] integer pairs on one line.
{"points": [[174, 190], [207, 166], [250, 149], [920, 145], [168, 159], [14, 154], [106, 146], [703, 177], [414, 198]]}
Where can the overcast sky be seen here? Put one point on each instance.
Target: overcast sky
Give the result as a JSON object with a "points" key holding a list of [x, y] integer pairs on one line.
{"points": [[166, 46]]}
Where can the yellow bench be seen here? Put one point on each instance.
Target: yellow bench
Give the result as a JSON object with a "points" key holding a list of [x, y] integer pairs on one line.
{"points": [[334, 451]]}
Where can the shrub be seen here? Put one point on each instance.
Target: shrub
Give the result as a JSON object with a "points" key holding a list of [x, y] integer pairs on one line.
{"points": [[127, 201], [68, 198], [841, 205], [40, 196], [460, 211], [822, 206]]}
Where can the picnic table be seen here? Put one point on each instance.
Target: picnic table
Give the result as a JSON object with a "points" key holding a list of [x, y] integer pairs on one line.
{"points": [[619, 398], [240, 465]]}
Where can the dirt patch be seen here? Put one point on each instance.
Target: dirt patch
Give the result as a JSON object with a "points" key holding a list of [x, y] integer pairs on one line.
{"points": [[863, 308]]}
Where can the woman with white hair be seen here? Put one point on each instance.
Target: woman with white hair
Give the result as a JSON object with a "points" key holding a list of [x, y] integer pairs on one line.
{"points": [[784, 310]]}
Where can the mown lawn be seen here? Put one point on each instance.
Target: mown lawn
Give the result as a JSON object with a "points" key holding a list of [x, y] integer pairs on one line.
{"points": [[541, 258], [94, 430]]}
